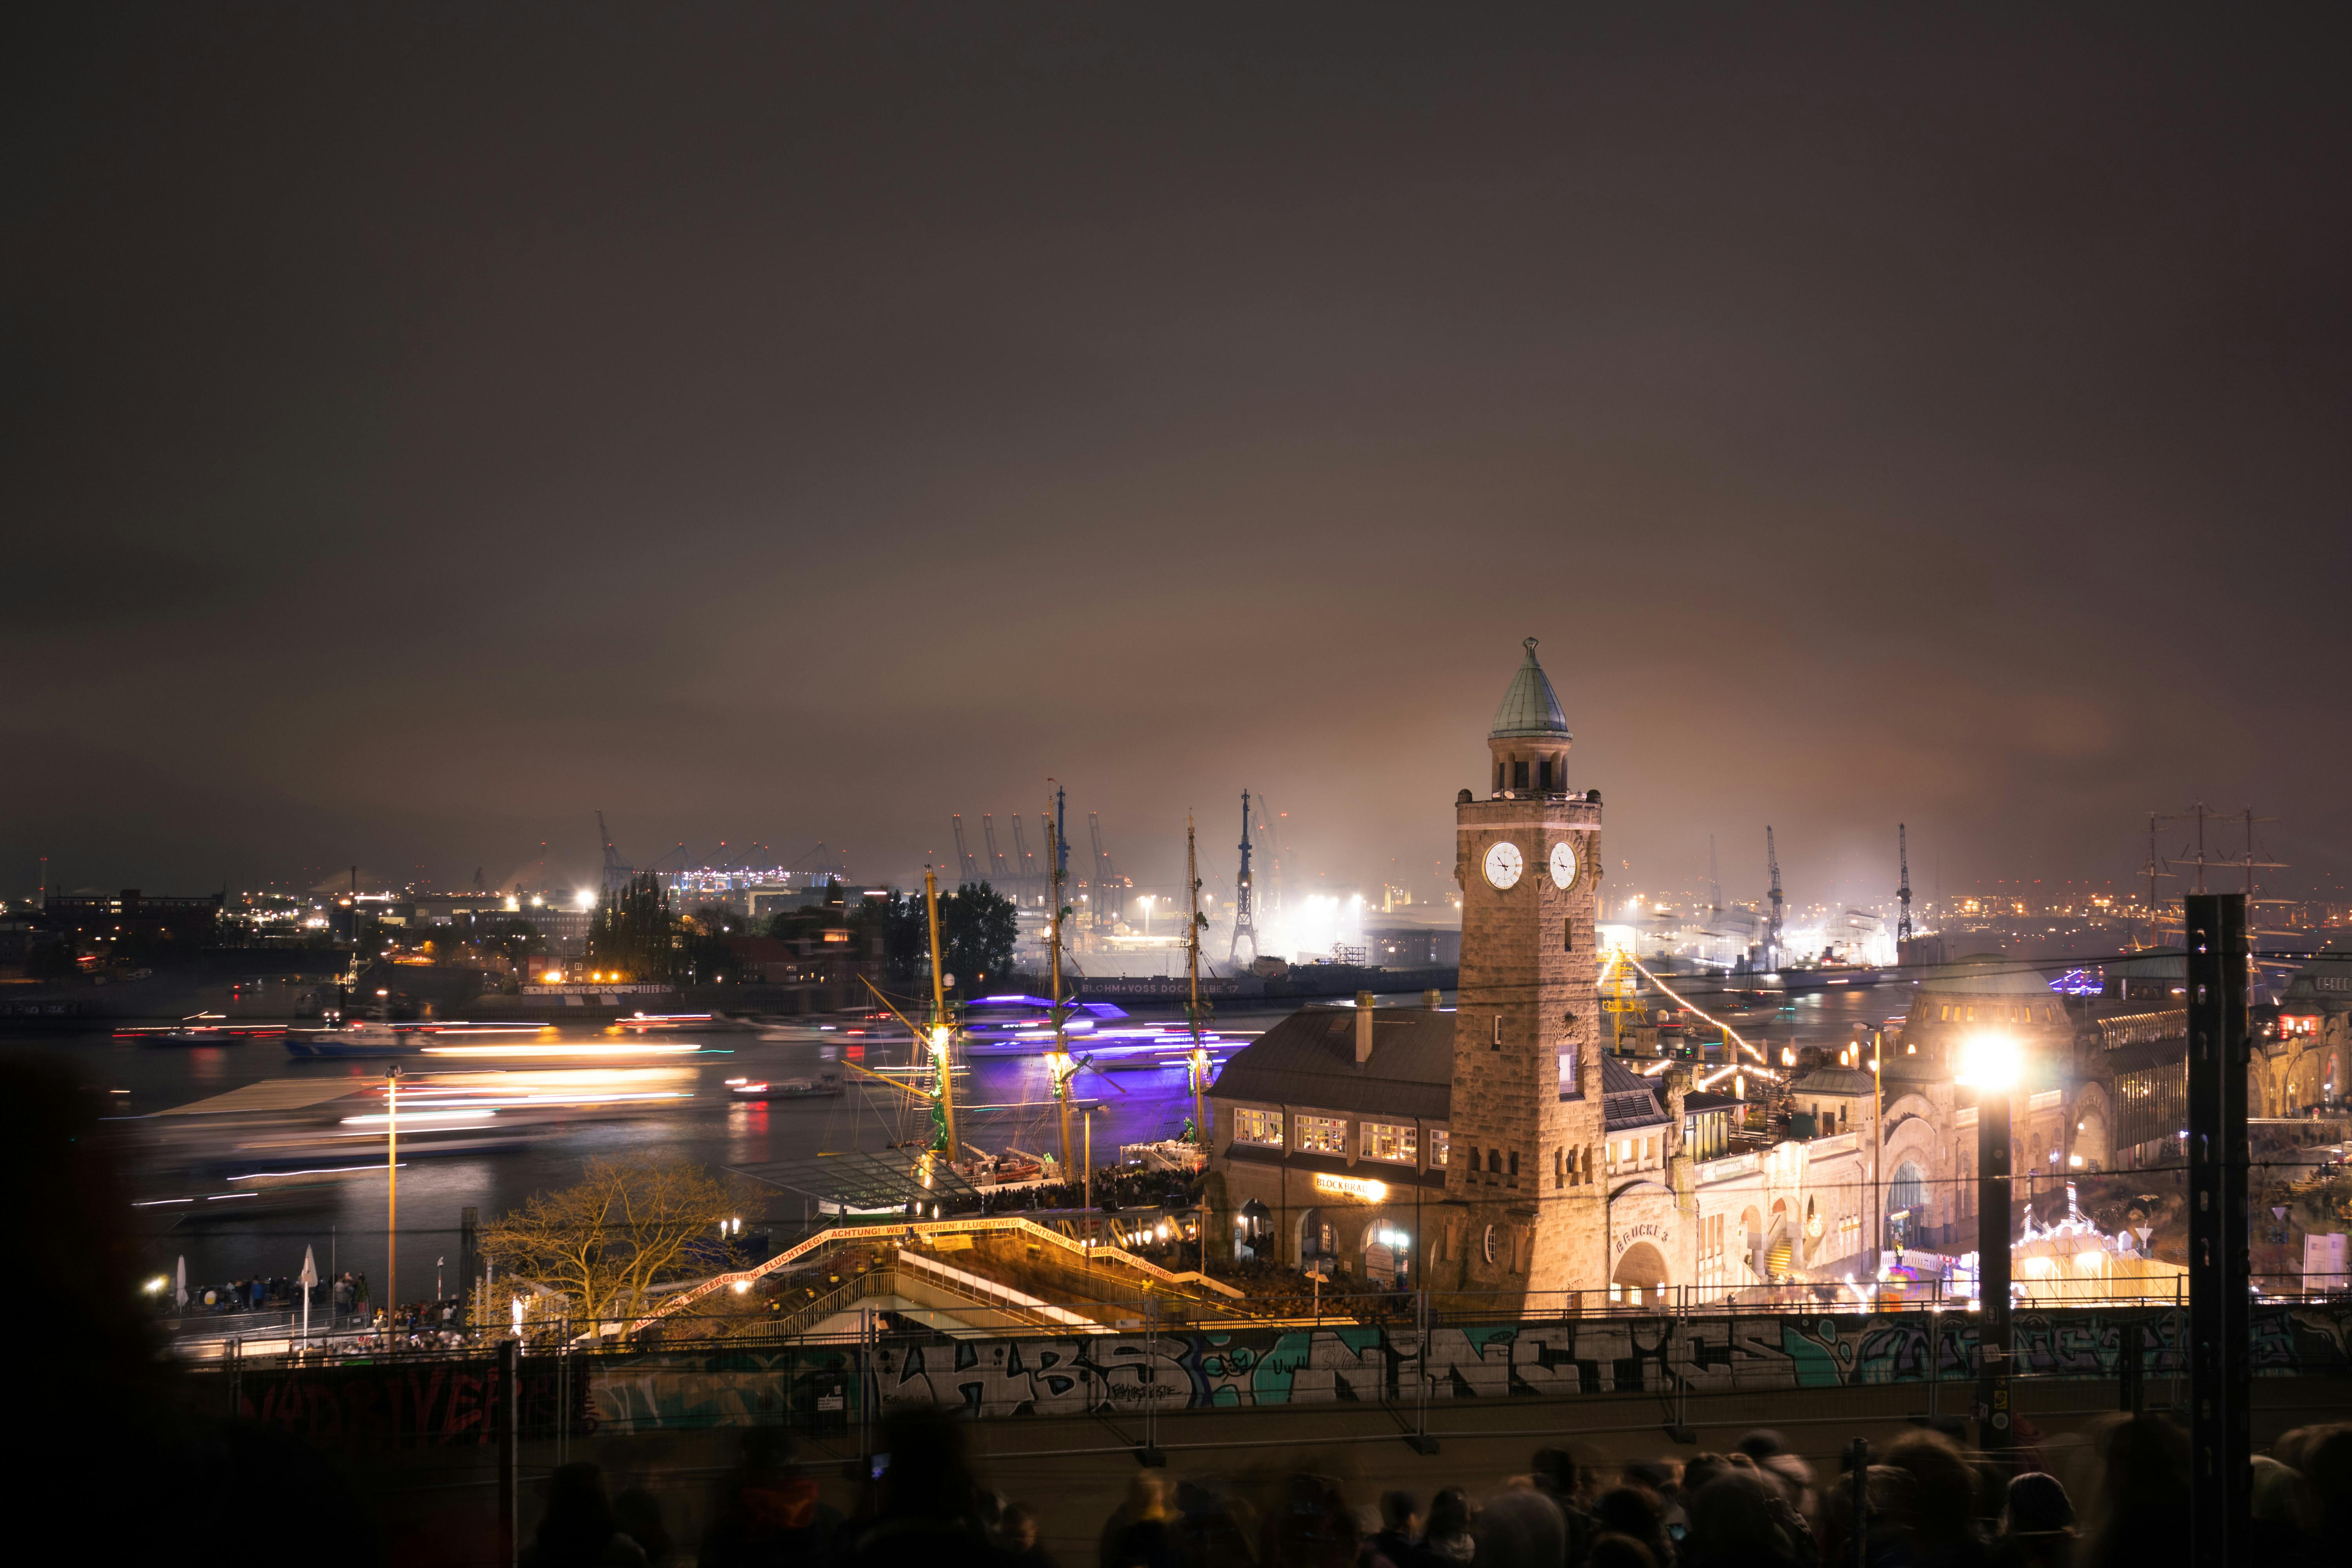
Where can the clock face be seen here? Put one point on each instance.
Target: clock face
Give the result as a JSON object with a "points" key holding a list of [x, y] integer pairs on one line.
{"points": [[1563, 864], [1504, 864]]}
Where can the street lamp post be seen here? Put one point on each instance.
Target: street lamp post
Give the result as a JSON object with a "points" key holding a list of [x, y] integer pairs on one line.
{"points": [[392, 1196], [1989, 1062]]}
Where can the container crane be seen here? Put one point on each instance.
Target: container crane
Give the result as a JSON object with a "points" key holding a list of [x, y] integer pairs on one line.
{"points": [[998, 872], [966, 867], [1028, 872], [1903, 859], [617, 875], [1108, 909], [1772, 918], [1243, 926]]}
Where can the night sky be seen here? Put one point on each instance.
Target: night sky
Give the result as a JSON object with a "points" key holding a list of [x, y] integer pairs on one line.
{"points": [[421, 431]]}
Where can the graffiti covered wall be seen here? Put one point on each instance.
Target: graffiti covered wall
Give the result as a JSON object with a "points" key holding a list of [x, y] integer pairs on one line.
{"points": [[1077, 1375]]}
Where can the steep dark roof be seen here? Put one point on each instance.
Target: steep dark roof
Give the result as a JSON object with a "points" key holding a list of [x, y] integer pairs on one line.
{"points": [[1309, 1059], [1833, 1081], [1700, 1099], [1627, 1099]]}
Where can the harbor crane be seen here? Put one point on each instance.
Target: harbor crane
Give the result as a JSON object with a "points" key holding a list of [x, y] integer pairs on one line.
{"points": [[998, 871], [1772, 917], [1903, 859], [1028, 872], [967, 867], [617, 875], [1243, 926], [1109, 908]]}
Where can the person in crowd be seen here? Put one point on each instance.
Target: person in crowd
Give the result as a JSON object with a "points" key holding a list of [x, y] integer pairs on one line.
{"points": [[1610, 1550], [1207, 1534], [1447, 1539], [1146, 1540], [2037, 1523], [2140, 1508], [1398, 1542], [1313, 1527], [1521, 1527], [578, 1529], [1560, 1475], [1016, 1527], [927, 1513], [1633, 1511], [1771, 1455], [1942, 1506], [2327, 1469], [637, 1513], [1740, 1520]]}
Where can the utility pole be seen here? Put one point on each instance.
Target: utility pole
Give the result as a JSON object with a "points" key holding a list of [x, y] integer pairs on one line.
{"points": [[1245, 925], [940, 1033], [2220, 1317], [1995, 1075], [1902, 857]]}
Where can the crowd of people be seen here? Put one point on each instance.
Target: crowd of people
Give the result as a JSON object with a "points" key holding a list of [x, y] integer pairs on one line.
{"points": [[1925, 1501]]}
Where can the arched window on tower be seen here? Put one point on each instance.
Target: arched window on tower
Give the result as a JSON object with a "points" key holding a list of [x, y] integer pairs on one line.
{"points": [[1494, 1162], [1568, 933], [1514, 1168]]}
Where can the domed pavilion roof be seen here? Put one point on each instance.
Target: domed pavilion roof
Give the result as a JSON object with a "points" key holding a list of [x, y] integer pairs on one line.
{"points": [[1530, 707]]}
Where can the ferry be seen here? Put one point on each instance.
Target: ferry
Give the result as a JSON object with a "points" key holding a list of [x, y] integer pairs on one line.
{"points": [[825, 1083]]}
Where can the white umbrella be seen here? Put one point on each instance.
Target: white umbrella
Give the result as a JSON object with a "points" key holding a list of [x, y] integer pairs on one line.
{"points": [[179, 1281], [310, 1282]]}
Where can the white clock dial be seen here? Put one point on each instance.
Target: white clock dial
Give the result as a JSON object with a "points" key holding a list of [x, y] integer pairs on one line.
{"points": [[1563, 864], [1504, 864]]}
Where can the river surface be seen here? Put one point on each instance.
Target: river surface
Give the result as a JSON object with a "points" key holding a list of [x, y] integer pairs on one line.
{"points": [[344, 1218]]}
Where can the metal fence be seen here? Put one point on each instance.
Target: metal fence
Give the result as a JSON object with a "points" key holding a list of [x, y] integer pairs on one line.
{"points": [[1026, 1370]]}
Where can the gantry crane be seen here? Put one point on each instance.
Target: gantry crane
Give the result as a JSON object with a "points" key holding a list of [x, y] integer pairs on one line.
{"points": [[1903, 859], [1772, 916], [966, 867], [1244, 929], [998, 872]]}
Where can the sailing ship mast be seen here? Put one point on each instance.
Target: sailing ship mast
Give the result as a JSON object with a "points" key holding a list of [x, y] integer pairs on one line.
{"points": [[940, 1034], [1200, 1063], [1058, 1061]]}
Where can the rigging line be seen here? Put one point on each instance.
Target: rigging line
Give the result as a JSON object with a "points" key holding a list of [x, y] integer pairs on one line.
{"points": [[1728, 1031]]}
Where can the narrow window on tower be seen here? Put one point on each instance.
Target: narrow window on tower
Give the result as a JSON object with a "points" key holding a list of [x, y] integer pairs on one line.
{"points": [[1543, 776], [1558, 1168], [1518, 775], [1498, 1033], [1514, 1168], [1568, 934]]}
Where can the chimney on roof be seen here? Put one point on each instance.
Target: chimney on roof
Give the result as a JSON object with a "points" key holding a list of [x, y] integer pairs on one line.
{"points": [[1363, 1027]]}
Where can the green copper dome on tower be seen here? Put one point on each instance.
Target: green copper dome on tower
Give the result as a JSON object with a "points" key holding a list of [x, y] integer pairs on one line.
{"points": [[1530, 707]]}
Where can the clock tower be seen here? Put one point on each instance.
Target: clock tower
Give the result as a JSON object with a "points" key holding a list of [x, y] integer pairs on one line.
{"points": [[1528, 1211]]}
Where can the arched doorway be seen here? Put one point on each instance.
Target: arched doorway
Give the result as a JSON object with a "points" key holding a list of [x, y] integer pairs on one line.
{"points": [[1388, 1254], [2091, 1151], [1640, 1277], [1906, 1206], [1315, 1239]]}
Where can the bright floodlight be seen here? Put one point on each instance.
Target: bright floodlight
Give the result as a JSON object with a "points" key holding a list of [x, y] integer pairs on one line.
{"points": [[585, 898], [1988, 1061]]}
